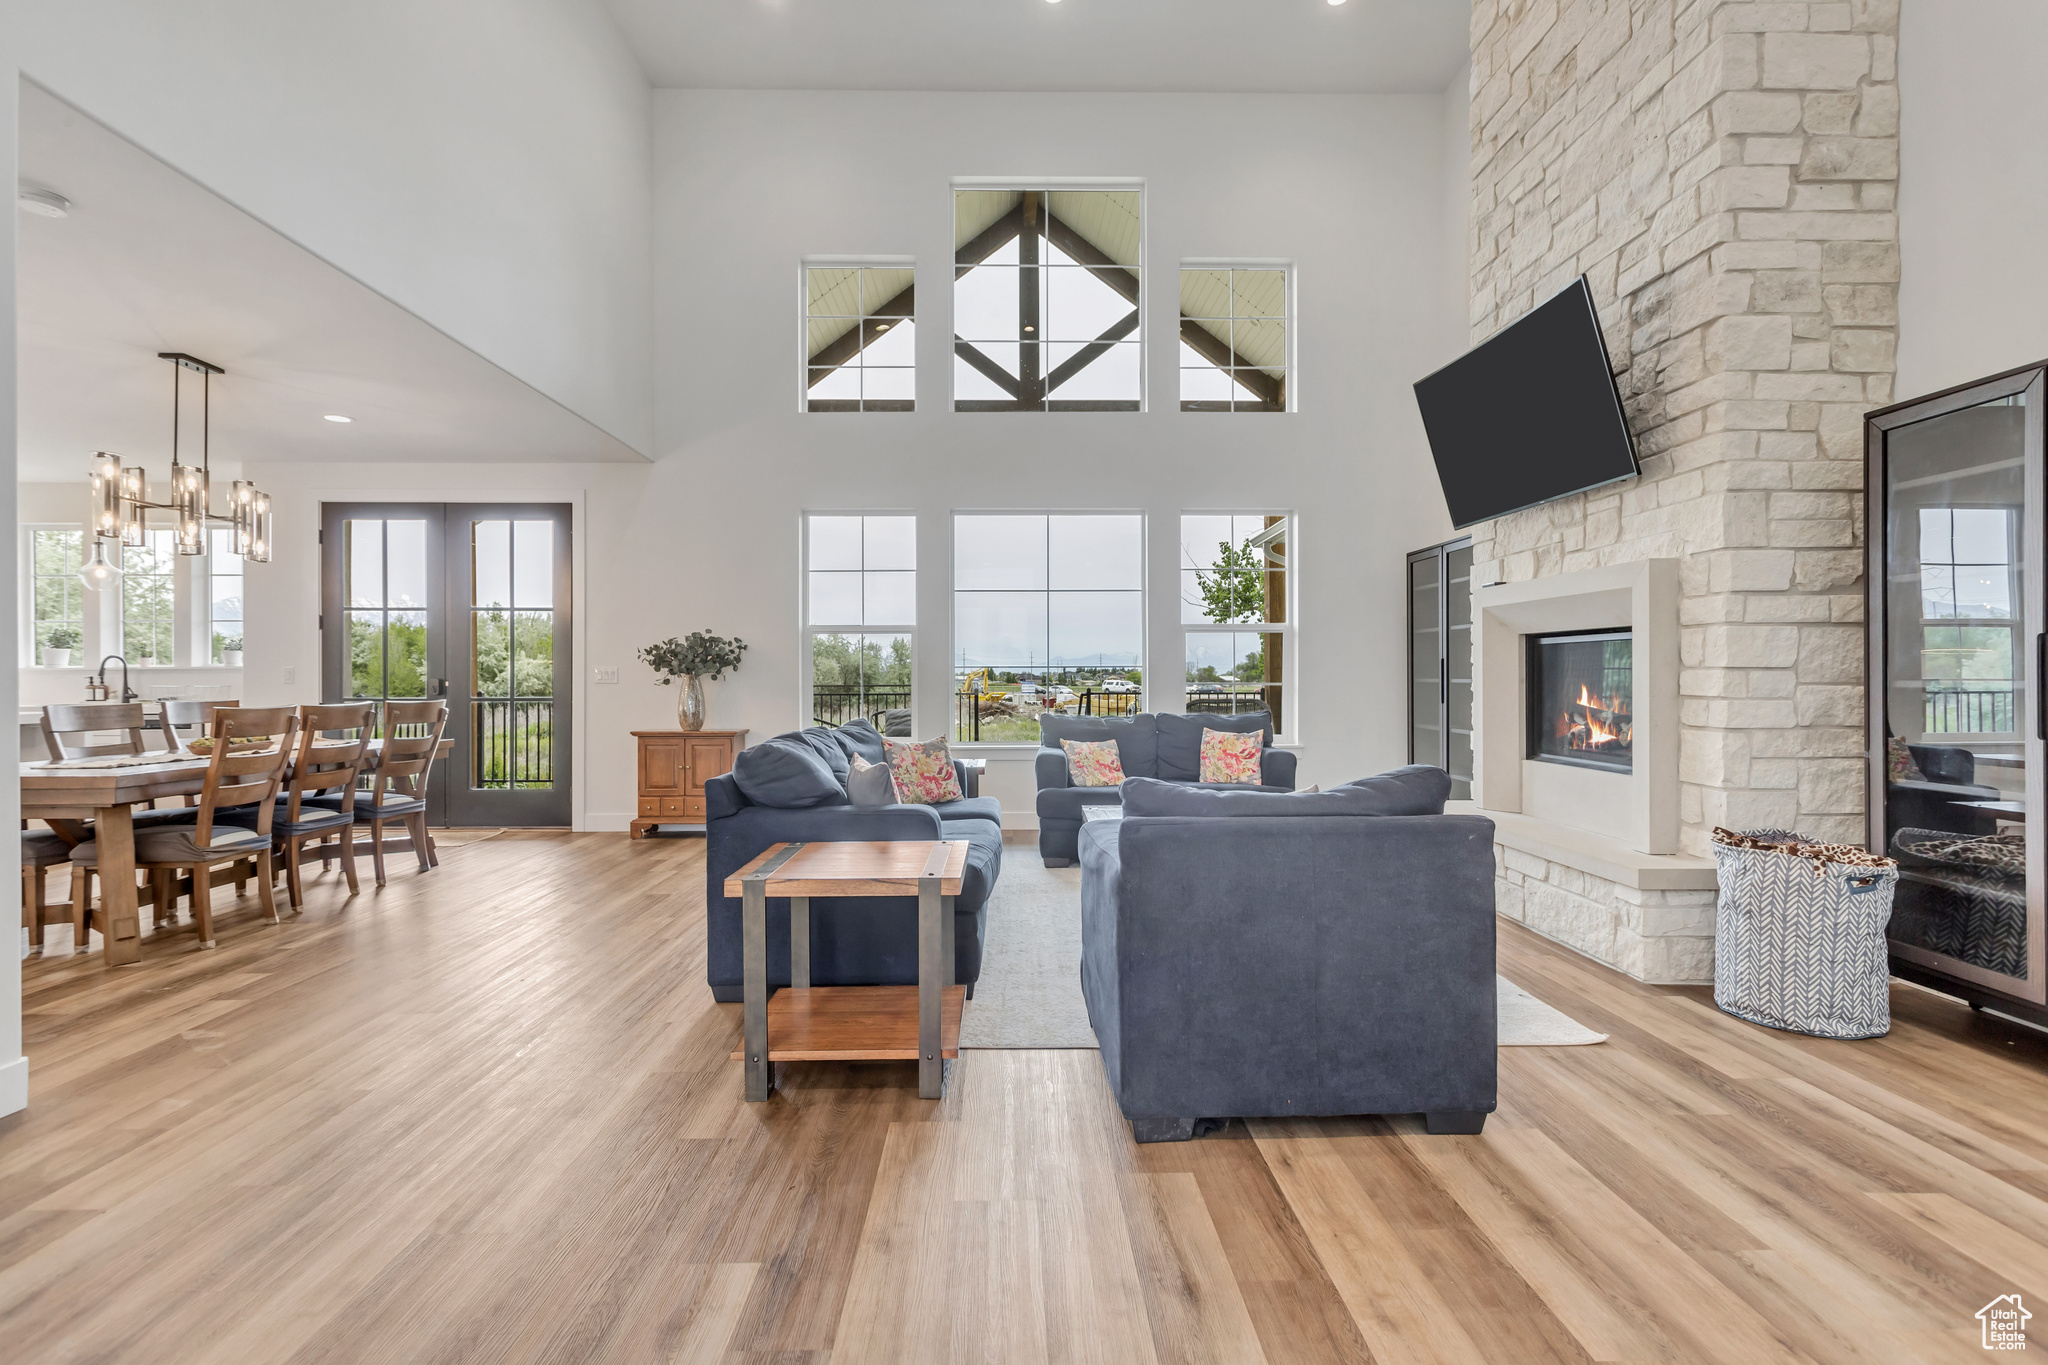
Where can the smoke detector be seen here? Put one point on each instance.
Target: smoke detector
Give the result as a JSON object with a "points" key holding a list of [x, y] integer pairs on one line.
{"points": [[48, 203]]}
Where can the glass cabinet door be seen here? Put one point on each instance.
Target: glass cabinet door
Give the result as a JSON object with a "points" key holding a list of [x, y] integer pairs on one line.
{"points": [[1440, 661], [1957, 724]]}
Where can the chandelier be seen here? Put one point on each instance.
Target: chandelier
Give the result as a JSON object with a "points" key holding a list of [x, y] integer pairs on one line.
{"points": [[120, 493]]}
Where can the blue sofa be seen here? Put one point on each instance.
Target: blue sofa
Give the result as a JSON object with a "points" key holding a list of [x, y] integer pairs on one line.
{"points": [[869, 941], [1163, 746], [1279, 955]]}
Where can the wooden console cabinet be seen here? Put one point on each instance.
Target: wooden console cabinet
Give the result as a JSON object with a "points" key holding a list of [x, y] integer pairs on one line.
{"points": [[674, 766]]}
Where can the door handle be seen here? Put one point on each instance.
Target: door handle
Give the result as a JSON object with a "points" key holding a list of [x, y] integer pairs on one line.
{"points": [[2040, 692], [1443, 682]]}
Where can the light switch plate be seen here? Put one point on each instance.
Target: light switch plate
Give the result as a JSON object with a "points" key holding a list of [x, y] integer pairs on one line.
{"points": [[606, 675], [291, 675]]}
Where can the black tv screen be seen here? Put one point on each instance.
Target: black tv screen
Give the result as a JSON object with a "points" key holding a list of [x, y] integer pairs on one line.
{"points": [[1529, 415]]}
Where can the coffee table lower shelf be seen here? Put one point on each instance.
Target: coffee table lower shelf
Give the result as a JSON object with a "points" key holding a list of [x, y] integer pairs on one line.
{"points": [[855, 1024]]}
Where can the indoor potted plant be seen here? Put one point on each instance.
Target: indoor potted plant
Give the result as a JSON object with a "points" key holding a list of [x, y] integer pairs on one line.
{"points": [[693, 659], [231, 651], [57, 653]]}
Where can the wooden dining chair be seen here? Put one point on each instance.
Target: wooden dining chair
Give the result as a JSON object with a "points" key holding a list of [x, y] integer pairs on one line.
{"points": [[40, 851], [320, 798], [68, 729], [174, 715], [398, 785], [235, 776]]}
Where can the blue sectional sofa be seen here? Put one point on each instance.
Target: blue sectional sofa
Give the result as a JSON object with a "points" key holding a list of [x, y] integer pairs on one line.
{"points": [[1250, 954], [792, 787], [1163, 746]]}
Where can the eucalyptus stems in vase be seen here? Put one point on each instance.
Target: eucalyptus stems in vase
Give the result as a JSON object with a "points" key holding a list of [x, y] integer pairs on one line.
{"points": [[698, 656]]}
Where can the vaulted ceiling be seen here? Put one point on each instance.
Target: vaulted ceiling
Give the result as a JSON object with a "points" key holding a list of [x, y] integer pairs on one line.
{"points": [[1275, 46]]}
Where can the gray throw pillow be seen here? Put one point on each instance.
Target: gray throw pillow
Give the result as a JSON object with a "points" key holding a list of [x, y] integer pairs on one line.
{"points": [[860, 738], [870, 784], [786, 773]]}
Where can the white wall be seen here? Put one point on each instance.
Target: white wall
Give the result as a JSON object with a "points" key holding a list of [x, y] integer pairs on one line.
{"points": [[1973, 190], [483, 164], [748, 183], [1455, 277], [13, 1062]]}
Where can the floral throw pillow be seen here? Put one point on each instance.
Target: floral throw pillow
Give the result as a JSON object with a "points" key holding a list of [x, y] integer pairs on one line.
{"points": [[1231, 756], [1899, 761], [1094, 762], [923, 772]]}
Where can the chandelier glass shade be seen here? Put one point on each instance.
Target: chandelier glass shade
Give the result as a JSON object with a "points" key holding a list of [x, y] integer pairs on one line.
{"points": [[120, 494]]}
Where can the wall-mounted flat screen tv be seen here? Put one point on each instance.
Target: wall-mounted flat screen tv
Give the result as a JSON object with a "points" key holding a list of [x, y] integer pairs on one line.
{"points": [[1529, 415]]}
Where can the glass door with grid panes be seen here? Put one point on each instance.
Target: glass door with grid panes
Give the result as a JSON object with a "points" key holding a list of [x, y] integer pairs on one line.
{"points": [[466, 604], [508, 606]]}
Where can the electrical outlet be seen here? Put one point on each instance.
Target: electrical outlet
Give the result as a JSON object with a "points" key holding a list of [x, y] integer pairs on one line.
{"points": [[291, 675], [606, 675]]}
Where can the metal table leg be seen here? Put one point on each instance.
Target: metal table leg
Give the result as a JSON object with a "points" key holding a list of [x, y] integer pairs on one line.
{"points": [[754, 972], [931, 979], [754, 984], [800, 943]]}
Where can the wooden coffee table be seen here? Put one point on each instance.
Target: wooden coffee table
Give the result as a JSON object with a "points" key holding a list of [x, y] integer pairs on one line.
{"points": [[850, 1023]]}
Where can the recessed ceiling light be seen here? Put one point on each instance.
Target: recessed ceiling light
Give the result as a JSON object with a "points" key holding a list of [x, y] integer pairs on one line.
{"points": [[337, 417], [1336, 2], [48, 203]]}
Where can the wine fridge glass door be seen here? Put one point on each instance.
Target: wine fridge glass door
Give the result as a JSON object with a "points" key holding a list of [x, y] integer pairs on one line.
{"points": [[1960, 794]]}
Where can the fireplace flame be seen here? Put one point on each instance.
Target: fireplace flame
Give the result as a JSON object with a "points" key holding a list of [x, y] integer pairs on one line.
{"points": [[1600, 721]]}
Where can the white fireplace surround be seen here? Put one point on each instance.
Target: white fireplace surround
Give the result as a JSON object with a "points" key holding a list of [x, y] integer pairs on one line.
{"points": [[1637, 810]]}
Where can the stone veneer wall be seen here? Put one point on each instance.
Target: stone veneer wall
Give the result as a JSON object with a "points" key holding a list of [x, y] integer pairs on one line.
{"points": [[1725, 174], [1662, 936]]}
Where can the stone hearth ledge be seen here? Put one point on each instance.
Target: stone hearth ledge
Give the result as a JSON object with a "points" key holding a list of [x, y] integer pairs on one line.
{"points": [[1650, 915]]}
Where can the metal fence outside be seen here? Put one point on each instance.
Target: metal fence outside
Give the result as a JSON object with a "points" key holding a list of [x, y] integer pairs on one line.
{"points": [[967, 717], [836, 705], [1987, 711], [513, 744]]}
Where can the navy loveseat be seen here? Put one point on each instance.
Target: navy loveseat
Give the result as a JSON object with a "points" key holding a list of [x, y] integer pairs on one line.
{"points": [[1264, 955], [1163, 746], [869, 941]]}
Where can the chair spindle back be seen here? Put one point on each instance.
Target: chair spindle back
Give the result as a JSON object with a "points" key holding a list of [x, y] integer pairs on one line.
{"points": [[239, 776], [66, 728]]}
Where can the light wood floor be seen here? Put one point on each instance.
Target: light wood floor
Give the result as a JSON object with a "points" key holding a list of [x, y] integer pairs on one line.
{"points": [[486, 1115]]}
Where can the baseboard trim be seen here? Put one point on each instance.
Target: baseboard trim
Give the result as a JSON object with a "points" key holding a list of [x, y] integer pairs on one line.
{"points": [[14, 1086]]}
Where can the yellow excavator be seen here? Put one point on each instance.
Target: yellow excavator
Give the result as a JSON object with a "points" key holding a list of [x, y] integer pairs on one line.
{"points": [[982, 683]]}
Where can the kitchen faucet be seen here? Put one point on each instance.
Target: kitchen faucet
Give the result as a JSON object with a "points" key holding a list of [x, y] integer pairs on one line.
{"points": [[97, 684]]}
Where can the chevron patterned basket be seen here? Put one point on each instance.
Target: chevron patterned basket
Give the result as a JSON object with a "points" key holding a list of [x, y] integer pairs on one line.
{"points": [[1799, 941]]}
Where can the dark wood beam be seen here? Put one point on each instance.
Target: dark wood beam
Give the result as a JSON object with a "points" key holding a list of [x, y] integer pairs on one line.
{"points": [[990, 240], [1092, 352], [980, 360], [1031, 385], [856, 339], [1085, 251], [1212, 348]]}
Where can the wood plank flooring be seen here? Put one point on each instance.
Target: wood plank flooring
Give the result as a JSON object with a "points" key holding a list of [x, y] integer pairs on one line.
{"points": [[487, 1114]]}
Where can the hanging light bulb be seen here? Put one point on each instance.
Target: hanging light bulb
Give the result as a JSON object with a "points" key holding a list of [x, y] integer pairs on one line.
{"points": [[259, 521], [134, 505], [106, 495], [188, 504], [98, 571], [242, 509]]}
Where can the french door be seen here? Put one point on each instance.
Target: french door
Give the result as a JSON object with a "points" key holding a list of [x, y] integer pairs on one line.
{"points": [[467, 603], [1440, 661]]}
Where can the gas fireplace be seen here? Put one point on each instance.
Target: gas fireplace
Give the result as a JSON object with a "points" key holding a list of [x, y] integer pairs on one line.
{"points": [[1582, 699]]}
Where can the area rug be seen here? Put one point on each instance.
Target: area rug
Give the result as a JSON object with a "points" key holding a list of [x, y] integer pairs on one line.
{"points": [[1029, 994], [1526, 1021]]}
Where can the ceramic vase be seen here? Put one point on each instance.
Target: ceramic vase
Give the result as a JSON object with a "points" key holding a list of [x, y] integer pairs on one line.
{"points": [[690, 703]]}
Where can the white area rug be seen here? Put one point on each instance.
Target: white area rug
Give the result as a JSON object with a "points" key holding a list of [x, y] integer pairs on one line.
{"points": [[1029, 995], [1526, 1021]]}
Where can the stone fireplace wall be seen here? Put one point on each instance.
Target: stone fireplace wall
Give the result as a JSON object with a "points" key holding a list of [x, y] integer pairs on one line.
{"points": [[1725, 173]]}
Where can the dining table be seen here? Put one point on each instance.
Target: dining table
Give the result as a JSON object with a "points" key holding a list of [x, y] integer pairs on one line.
{"points": [[67, 794]]}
